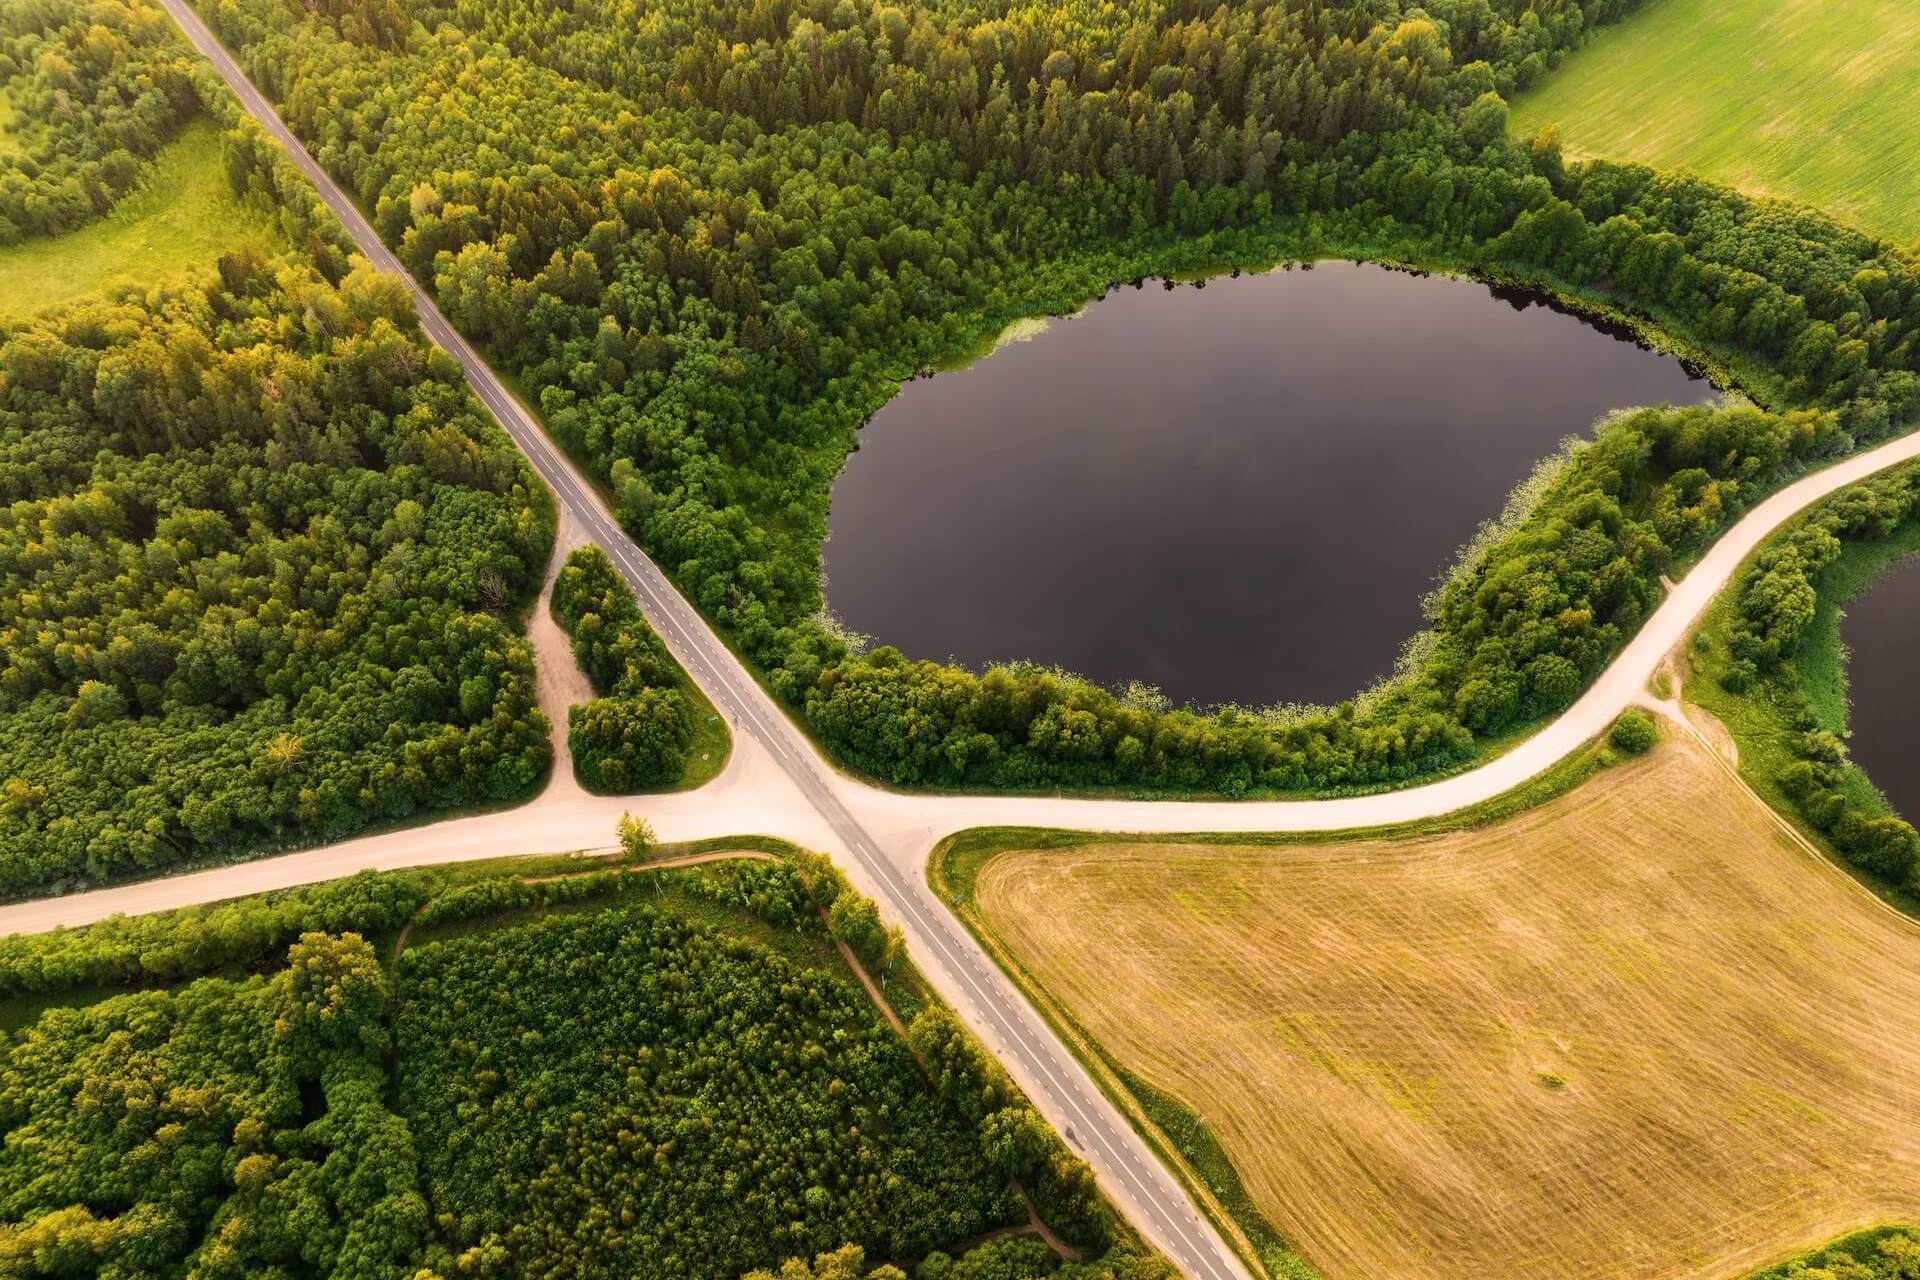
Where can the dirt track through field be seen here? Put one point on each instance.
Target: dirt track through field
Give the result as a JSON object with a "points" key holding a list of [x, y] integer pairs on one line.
{"points": [[559, 681], [1635, 1033]]}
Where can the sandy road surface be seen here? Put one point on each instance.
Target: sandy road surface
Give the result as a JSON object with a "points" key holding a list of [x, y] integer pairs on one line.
{"points": [[776, 783]]}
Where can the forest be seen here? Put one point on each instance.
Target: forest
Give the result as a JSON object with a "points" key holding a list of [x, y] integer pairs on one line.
{"points": [[260, 559], [95, 92], [637, 732], [598, 1071], [712, 243]]}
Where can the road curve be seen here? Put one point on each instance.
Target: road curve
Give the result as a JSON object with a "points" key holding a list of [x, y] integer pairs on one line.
{"points": [[1622, 684], [778, 784], [1059, 1086]]}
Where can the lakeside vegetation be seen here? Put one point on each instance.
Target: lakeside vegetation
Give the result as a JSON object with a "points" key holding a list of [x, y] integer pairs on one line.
{"points": [[1769, 665], [1810, 102], [728, 236], [403, 1096]]}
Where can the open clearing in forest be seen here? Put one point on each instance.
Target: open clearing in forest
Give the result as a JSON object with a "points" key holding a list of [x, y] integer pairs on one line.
{"points": [[182, 216], [1636, 1032], [1812, 100]]}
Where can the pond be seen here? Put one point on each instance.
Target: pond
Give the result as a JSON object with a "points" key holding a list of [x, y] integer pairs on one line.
{"points": [[1237, 492], [1883, 696]]}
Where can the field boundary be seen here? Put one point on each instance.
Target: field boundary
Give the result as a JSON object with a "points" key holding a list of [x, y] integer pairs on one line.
{"points": [[957, 862], [1111, 1080]]}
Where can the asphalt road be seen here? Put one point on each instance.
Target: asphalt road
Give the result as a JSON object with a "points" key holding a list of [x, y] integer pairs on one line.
{"points": [[776, 783], [1156, 1202]]}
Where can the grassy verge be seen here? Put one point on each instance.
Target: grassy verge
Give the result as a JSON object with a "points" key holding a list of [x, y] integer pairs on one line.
{"points": [[1858, 1246], [1201, 1159], [1814, 102], [956, 861], [906, 989], [665, 889], [1174, 1131], [712, 744], [1758, 718], [184, 216]]}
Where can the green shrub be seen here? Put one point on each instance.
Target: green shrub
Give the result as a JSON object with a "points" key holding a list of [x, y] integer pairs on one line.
{"points": [[1633, 732]]}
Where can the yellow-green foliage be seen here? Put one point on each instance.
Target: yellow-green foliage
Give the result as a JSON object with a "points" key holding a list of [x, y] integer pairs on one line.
{"points": [[1811, 100], [10, 126], [185, 216]]}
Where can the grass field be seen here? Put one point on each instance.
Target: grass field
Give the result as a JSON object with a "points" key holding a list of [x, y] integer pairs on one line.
{"points": [[1812, 100], [1634, 1032], [183, 217]]}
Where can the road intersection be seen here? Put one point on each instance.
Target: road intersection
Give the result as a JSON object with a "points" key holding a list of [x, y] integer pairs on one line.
{"points": [[778, 783]]}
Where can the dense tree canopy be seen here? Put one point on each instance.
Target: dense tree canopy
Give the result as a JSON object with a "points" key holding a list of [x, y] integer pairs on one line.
{"points": [[1020, 1257], [223, 1129], [711, 239], [654, 1100], [1773, 607], [257, 548], [597, 1072], [96, 89], [637, 732]]}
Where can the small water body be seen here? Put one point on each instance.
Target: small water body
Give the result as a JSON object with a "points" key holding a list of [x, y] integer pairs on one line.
{"points": [[1237, 492], [1879, 629]]}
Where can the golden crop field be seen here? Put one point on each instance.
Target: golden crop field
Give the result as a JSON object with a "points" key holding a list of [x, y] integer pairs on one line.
{"points": [[1636, 1032]]}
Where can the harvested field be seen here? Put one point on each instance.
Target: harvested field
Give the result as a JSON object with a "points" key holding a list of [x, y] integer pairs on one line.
{"points": [[1637, 1032]]}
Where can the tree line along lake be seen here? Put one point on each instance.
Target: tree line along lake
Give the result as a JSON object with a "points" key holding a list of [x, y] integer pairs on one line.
{"points": [[1882, 695], [1237, 491]]}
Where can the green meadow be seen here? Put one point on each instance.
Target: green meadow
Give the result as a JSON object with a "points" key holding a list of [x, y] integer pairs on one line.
{"points": [[183, 216], [1810, 100]]}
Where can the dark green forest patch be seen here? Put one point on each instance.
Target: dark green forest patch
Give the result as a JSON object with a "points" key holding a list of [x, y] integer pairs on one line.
{"points": [[713, 241], [623, 1072], [651, 726], [260, 552]]}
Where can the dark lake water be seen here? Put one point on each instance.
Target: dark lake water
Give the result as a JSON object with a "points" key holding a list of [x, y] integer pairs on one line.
{"points": [[1880, 628], [1238, 493]]}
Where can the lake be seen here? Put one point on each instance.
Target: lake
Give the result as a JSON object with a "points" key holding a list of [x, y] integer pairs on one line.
{"points": [[1237, 492], [1884, 699]]}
